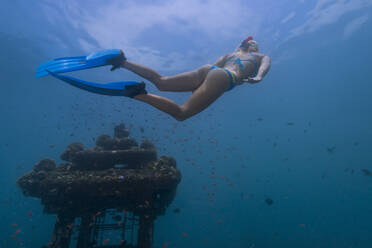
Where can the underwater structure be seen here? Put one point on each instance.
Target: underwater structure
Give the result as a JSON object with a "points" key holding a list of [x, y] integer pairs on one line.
{"points": [[106, 196]]}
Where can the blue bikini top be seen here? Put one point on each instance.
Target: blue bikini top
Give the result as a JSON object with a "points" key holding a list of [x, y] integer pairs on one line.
{"points": [[238, 61]]}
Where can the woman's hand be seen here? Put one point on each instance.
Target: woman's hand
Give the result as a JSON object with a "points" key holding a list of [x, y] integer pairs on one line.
{"points": [[118, 61], [253, 80]]}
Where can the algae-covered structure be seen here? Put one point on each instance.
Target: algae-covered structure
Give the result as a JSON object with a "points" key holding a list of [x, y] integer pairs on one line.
{"points": [[105, 196]]}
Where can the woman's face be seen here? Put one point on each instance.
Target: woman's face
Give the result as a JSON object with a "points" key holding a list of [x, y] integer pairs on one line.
{"points": [[249, 46]]}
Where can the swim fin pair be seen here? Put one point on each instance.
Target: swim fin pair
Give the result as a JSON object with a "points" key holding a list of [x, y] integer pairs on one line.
{"points": [[100, 58]]}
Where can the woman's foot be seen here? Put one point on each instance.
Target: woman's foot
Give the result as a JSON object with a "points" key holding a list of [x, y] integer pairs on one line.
{"points": [[118, 61], [135, 89]]}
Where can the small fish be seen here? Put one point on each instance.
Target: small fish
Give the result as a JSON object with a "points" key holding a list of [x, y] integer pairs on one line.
{"points": [[331, 149], [106, 240], [290, 123], [176, 210], [323, 175], [269, 201], [185, 234], [14, 225], [165, 245], [18, 231], [367, 172]]}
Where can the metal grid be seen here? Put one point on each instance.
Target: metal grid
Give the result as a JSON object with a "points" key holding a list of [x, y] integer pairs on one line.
{"points": [[111, 228]]}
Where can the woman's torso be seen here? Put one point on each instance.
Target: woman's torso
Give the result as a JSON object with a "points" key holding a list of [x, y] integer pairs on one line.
{"points": [[243, 64]]}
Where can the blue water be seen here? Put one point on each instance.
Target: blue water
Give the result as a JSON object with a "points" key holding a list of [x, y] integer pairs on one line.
{"points": [[301, 137]]}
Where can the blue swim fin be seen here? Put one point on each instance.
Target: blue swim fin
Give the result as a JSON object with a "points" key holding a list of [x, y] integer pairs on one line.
{"points": [[67, 64], [123, 88]]}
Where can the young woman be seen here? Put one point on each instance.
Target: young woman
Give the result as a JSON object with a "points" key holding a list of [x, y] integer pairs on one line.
{"points": [[209, 82]]}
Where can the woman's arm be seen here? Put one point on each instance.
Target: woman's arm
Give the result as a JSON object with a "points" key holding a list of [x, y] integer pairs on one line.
{"points": [[265, 66], [262, 71], [222, 60]]}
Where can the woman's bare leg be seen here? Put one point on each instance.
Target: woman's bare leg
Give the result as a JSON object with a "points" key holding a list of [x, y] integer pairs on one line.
{"points": [[188, 81], [215, 84]]}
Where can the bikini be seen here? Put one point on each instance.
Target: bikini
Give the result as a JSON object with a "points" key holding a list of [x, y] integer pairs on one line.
{"points": [[231, 76], [238, 61]]}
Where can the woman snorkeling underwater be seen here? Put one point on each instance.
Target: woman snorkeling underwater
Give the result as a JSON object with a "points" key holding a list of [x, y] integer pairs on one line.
{"points": [[209, 82]]}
